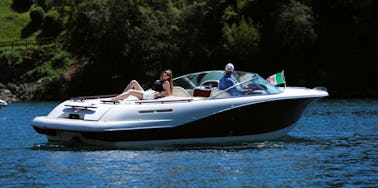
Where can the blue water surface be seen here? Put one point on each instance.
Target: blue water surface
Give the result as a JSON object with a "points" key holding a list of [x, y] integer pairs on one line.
{"points": [[333, 145]]}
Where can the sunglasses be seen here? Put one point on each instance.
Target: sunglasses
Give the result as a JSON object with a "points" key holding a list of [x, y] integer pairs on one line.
{"points": [[165, 73]]}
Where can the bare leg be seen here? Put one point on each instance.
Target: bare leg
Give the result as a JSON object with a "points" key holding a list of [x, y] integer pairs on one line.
{"points": [[136, 93], [133, 88], [133, 85]]}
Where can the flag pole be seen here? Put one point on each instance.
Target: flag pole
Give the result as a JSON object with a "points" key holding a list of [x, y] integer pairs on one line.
{"points": [[283, 76]]}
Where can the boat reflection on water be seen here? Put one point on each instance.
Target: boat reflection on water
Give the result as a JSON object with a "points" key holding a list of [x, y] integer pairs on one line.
{"points": [[196, 113]]}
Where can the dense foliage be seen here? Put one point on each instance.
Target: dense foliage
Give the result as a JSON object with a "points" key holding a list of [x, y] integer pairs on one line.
{"points": [[45, 66], [316, 42]]}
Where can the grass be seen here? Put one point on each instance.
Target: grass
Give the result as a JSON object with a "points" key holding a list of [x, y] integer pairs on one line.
{"points": [[12, 23]]}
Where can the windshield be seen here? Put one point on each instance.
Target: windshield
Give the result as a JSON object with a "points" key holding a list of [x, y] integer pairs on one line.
{"points": [[247, 83], [191, 81]]}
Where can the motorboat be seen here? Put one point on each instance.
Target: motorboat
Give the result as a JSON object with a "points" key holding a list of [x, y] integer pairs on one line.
{"points": [[197, 113], [3, 104]]}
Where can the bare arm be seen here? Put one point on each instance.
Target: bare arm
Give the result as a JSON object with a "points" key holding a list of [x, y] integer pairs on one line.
{"points": [[167, 89]]}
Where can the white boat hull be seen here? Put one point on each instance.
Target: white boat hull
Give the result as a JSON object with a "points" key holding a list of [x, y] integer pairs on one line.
{"points": [[3, 104], [177, 120], [262, 120]]}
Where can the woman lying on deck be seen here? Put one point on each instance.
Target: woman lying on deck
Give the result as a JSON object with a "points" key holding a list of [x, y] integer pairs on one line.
{"points": [[160, 88]]}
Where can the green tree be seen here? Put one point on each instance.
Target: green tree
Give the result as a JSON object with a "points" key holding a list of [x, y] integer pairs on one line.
{"points": [[295, 25], [124, 39], [241, 40], [37, 15], [199, 35]]}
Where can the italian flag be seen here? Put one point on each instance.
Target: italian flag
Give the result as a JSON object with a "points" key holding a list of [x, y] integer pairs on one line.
{"points": [[277, 79]]}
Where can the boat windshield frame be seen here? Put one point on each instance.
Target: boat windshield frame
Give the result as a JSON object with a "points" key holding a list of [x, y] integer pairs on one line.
{"points": [[247, 83]]}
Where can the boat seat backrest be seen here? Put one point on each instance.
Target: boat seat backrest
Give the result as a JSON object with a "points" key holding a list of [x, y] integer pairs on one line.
{"points": [[222, 94], [180, 92], [210, 83]]}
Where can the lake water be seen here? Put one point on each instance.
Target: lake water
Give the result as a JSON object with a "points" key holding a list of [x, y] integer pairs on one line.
{"points": [[333, 145]]}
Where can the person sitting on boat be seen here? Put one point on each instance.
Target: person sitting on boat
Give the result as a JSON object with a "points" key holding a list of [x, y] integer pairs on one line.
{"points": [[160, 88], [227, 81]]}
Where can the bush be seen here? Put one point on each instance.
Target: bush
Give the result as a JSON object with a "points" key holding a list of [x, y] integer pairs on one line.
{"points": [[42, 71], [12, 87], [37, 15], [52, 25], [61, 59], [11, 57], [21, 5]]}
